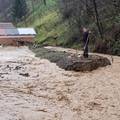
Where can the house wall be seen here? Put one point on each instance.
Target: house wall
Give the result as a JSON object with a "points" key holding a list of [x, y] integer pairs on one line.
{"points": [[7, 41], [13, 41]]}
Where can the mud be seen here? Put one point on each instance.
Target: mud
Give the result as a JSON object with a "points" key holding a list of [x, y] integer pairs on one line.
{"points": [[51, 93]]}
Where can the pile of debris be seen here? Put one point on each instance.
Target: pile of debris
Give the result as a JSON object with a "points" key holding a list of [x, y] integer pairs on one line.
{"points": [[70, 61], [76, 63]]}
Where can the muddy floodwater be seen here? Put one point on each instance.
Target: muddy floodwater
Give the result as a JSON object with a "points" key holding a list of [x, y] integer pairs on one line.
{"points": [[36, 89]]}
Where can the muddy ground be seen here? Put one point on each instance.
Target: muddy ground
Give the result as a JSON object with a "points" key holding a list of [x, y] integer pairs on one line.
{"points": [[36, 89]]}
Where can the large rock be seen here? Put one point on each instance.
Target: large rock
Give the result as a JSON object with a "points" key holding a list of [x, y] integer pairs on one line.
{"points": [[76, 63]]}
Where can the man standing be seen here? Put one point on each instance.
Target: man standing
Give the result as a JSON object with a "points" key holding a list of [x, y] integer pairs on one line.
{"points": [[86, 42]]}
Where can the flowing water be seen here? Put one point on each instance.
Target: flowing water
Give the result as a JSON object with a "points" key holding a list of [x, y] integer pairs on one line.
{"points": [[36, 89]]}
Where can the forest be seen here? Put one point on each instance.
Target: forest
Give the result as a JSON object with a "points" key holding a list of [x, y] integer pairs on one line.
{"points": [[59, 22]]}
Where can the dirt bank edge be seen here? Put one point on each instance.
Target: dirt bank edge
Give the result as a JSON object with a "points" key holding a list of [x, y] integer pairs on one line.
{"points": [[71, 62]]}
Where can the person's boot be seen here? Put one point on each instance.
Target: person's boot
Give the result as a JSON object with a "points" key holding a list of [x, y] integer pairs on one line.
{"points": [[85, 55]]}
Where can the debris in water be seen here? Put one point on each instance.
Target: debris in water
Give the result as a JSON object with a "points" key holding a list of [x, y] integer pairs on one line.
{"points": [[24, 74]]}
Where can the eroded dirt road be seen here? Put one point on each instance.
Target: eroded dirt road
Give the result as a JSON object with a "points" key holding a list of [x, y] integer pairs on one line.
{"points": [[35, 89]]}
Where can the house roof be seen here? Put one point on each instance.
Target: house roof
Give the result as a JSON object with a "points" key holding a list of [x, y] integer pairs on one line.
{"points": [[2, 32], [12, 32], [9, 32], [26, 31], [8, 29], [6, 25], [17, 32]]}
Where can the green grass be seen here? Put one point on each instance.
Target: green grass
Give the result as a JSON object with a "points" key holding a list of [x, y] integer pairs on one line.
{"points": [[44, 26], [53, 56], [50, 29]]}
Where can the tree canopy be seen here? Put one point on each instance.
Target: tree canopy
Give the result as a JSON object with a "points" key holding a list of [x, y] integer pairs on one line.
{"points": [[19, 9]]}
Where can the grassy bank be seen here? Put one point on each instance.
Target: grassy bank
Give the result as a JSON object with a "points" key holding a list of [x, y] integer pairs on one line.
{"points": [[53, 56]]}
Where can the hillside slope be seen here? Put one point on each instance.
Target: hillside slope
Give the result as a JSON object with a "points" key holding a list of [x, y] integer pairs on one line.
{"points": [[50, 27], [53, 30]]}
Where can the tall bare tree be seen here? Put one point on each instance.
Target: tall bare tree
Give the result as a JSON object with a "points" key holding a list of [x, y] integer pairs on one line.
{"points": [[99, 24]]}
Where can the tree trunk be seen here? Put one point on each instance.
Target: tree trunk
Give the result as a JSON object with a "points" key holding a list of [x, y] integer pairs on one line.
{"points": [[99, 24], [45, 2], [33, 8]]}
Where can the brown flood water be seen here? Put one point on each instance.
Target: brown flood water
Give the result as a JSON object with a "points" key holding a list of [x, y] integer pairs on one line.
{"points": [[36, 89]]}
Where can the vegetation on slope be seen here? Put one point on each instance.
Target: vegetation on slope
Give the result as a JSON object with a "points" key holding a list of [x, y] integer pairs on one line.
{"points": [[56, 27], [59, 23], [50, 27]]}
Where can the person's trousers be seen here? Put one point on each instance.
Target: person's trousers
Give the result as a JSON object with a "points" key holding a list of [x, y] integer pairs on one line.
{"points": [[85, 54]]}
